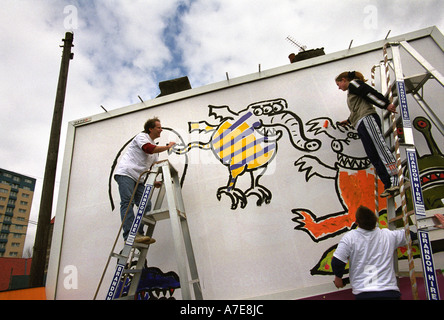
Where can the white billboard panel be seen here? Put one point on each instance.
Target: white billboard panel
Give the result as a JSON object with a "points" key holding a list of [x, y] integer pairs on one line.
{"points": [[263, 224]]}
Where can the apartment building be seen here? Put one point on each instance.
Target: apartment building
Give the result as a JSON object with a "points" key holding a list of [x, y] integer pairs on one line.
{"points": [[16, 193]]}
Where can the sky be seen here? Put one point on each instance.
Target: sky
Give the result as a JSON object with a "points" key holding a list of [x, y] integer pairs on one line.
{"points": [[124, 48]]}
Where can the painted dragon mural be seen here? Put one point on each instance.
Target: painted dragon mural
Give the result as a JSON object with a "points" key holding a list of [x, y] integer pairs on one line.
{"points": [[153, 285], [246, 143], [354, 180], [432, 182]]}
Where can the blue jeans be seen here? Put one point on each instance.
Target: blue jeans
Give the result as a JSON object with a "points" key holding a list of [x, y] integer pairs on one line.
{"points": [[126, 188]]}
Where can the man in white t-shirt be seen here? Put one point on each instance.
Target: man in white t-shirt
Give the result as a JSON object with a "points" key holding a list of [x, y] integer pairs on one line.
{"points": [[141, 153], [370, 252]]}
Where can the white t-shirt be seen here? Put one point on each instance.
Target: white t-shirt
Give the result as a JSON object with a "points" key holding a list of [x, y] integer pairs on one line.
{"points": [[135, 160], [370, 254]]}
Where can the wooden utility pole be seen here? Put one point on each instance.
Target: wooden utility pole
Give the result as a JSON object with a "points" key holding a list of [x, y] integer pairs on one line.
{"points": [[41, 239]]}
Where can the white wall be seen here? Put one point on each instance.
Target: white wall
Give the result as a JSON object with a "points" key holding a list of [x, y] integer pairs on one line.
{"points": [[240, 253]]}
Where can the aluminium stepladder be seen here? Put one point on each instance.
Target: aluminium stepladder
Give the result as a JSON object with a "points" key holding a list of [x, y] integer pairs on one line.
{"points": [[179, 227], [423, 218]]}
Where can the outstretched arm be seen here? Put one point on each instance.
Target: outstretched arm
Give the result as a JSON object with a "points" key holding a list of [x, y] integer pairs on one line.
{"points": [[159, 149], [151, 148]]}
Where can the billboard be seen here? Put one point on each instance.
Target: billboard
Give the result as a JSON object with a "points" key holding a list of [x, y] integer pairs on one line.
{"points": [[264, 219]]}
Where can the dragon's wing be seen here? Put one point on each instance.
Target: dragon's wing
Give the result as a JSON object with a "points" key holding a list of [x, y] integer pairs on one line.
{"points": [[221, 112]]}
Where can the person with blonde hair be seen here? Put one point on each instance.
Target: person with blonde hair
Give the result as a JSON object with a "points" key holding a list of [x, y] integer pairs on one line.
{"points": [[361, 99]]}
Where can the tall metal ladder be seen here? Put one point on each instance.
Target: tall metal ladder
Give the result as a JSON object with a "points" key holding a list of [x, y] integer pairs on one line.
{"points": [[423, 219], [182, 241]]}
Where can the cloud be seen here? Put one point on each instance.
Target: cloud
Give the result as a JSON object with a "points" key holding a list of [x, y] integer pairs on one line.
{"points": [[232, 36], [28, 76], [235, 36], [123, 46]]}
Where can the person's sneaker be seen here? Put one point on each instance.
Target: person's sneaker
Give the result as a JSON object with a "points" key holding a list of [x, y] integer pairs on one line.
{"points": [[385, 193], [395, 191], [391, 191], [144, 239]]}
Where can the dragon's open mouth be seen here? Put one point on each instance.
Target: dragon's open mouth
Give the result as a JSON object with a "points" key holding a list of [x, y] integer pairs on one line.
{"points": [[353, 163], [264, 130], [156, 294], [269, 133], [432, 177]]}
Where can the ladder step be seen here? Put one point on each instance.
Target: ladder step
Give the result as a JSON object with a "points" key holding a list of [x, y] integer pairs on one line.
{"points": [[118, 256], [412, 212], [429, 222], [412, 83], [121, 256], [161, 214], [130, 271], [416, 82], [158, 215], [426, 224], [149, 220], [131, 297], [418, 274], [140, 245]]}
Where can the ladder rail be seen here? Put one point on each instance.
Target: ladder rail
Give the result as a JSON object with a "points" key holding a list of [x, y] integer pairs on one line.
{"points": [[405, 218], [140, 263], [192, 263], [118, 235], [428, 265], [390, 201], [185, 233], [188, 244], [423, 62], [177, 235], [121, 263], [373, 70], [429, 112], [429, 273], [391, 207]]}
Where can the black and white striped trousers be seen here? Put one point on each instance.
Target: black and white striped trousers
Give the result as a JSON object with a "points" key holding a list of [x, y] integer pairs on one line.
{"points": [[369, 130]]}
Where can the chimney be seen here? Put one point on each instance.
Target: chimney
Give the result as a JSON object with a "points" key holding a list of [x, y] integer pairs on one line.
{"points": [[173, 86], [306, 54]]}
